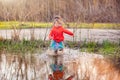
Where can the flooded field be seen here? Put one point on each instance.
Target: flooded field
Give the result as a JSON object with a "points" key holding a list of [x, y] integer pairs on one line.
{"points": [[79, 34], [85, 66]]}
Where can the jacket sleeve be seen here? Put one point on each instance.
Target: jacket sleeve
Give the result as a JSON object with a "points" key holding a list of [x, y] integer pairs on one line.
{"points": [[68, 32]]}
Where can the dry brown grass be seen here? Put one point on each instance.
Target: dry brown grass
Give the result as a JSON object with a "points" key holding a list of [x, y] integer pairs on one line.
{"points": [[72, 10], [1, 38], [15, 34], [105, 68]]}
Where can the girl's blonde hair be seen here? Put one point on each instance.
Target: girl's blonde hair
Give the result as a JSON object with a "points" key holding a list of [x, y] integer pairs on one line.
{"points": [[58, 19]]}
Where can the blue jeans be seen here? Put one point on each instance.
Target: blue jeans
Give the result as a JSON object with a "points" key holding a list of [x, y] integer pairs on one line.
{"points": [[55, 45]]}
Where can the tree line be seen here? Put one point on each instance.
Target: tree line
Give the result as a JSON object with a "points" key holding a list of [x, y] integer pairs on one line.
{"points": [[70, 10]]}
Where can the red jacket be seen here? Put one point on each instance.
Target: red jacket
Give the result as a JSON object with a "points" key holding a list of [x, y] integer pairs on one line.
{"points": [[57, 33]]}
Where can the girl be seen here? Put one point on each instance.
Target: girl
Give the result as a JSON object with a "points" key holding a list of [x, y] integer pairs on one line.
{"points": [[56, 34]]}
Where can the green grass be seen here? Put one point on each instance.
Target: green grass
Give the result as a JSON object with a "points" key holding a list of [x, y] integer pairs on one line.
{"points": [[106, 48], [23, 46], [17, 24], [109, 48]]}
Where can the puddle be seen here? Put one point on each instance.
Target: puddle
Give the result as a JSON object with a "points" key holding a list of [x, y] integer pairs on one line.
{"points": [[98, 35], [36, 66]]}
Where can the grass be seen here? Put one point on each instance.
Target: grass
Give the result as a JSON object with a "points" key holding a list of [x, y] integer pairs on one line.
{"points": [[106, 48], [17, 24], [97, 25], [11, 24], [23, 46], [109, 48]]}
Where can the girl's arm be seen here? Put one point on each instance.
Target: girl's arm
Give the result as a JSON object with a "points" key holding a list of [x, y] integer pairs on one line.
{"points": [[68, 32]]}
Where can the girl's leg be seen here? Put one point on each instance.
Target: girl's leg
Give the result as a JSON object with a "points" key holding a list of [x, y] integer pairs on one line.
{"points": [[61, 46], [54, 46]]}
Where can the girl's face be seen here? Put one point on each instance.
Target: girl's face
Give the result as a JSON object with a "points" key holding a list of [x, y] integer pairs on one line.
{"points": [[57, 23]]}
